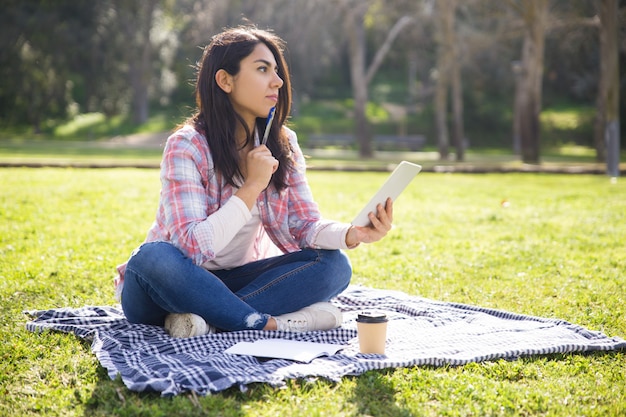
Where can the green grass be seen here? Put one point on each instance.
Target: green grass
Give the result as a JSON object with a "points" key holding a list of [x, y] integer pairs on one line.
{"points": [[76, 153], [107, 154], [556, 250]]}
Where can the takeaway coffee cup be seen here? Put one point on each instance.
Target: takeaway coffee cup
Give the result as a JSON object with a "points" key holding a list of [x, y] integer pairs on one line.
{"points": [[372, 331]]}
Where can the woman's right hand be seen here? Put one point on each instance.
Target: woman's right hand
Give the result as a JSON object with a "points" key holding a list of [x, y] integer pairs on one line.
{"points": [[260, 166]]}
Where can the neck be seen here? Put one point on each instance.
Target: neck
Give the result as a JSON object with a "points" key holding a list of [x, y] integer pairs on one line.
{"points": [[240, 134]]}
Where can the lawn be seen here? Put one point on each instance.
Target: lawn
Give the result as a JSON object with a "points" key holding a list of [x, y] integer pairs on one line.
{"points": [[538, 244]]}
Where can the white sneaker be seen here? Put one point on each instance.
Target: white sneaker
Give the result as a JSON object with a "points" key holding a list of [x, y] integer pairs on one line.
{"points": [[187, 325], [318, 316]]}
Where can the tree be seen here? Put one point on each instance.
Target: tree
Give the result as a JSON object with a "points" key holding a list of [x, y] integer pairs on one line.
{"points": [[135, 19], [360, 74], [37, 74], [448, 78], [606, 136], [528, 100], [312, 30], [115, 57]]}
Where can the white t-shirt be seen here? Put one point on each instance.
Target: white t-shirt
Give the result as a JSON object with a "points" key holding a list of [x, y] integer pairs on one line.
{"points": [[236, 229], [241, 248]]}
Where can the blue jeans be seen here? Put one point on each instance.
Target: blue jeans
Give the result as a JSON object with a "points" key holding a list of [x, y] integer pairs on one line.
{"points": [[160, 279]]}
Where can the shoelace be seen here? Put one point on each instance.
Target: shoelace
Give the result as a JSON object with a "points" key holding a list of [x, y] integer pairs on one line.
{"points": [[297, 325]]}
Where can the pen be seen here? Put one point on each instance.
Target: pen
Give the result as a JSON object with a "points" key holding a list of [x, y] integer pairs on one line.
{"points": [[268, 124]]}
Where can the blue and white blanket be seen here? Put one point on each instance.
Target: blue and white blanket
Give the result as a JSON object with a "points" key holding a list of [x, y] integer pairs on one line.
{"points": [[420, 332]]}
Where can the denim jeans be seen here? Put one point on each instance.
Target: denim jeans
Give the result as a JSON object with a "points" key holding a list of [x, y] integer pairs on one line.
{"points": [[160, 279]]}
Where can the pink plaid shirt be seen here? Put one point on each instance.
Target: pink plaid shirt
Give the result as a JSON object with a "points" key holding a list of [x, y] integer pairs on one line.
{"points": [[191, 190]]}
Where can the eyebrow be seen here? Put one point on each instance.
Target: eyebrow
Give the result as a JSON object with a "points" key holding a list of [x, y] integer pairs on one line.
{"points": [[266, 62]]}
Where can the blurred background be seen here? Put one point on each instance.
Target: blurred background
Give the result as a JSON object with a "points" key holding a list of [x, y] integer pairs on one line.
{"points": [[455, 75]]}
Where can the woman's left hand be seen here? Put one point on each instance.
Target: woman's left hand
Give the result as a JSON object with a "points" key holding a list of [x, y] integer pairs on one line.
{"points": [[380, 225]]}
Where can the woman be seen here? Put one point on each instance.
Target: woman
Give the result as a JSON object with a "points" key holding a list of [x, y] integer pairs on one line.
{"points": [[238, 242]]}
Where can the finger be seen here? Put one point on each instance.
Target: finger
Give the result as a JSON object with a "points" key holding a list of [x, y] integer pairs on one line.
{"points": [[389, 209], [379, 221], [389, 205], [262, 153], [384, 219], [382, 214], [374, 220]]}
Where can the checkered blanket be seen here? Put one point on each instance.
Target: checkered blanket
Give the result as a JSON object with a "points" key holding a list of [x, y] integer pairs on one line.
{"points": [[420, 332]]}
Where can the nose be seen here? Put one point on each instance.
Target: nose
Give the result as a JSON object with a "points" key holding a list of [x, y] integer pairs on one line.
{"points": [[277, 81]]}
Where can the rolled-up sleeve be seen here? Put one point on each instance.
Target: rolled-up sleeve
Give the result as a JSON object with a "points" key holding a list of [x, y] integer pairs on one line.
{"points": [[186, 199]]}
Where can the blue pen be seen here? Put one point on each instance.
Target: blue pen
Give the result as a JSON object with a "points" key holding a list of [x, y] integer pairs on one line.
{"points": [[268, 124]]}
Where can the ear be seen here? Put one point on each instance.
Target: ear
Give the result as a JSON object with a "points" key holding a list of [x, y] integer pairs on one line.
{"points": [[224, 80]]}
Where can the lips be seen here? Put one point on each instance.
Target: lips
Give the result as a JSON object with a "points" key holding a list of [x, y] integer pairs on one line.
{"points": [[273, 97]]}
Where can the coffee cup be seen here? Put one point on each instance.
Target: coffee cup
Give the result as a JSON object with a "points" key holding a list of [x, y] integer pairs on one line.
{"points": [[372, 332]]}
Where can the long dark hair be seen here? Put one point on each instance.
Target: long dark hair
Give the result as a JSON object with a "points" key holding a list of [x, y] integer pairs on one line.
{"points": [[215, 115]]}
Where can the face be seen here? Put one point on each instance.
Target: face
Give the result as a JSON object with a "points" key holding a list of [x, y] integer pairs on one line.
{"points": [[253, 91]]}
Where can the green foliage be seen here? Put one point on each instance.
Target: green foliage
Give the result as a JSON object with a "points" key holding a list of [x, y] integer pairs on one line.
{"points": [[98, 126], [549, 245], [488, 123], [58, 58], [324, 116], [86, 127], [567, 124], [334, 116], [83, 125]]}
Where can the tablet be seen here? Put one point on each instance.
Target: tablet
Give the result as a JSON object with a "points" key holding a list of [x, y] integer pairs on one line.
{"points": [[395, 184]]}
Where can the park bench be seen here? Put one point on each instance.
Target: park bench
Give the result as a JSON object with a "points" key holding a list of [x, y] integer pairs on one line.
{"points": [[380, 142]]}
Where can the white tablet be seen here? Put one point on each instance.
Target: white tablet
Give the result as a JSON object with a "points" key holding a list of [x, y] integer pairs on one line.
{"points": [[395, 184]]}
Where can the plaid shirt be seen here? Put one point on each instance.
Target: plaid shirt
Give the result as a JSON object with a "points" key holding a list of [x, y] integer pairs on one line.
{"points": [[192, 189]]}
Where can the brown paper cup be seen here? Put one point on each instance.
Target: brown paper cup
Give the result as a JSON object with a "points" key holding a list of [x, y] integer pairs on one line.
{"points": [[372, 331]]}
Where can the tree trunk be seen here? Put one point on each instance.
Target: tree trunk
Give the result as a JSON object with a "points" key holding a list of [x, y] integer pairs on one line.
{"points": [[442, 79], [413, 60], [448, 80], [140, 89], [441, 113], [516, 67], [458, 129], [359, 79], [607, 114], [360, 76], [535, 15], [137, 23]]}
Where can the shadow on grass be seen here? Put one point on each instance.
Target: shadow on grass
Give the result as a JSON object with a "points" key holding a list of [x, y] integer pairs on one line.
{"points": [[111, 397], [375, 394]]}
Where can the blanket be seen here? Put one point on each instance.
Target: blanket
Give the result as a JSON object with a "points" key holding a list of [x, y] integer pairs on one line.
{"points": [[420, 332]]}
